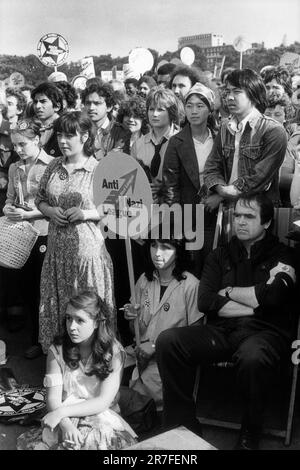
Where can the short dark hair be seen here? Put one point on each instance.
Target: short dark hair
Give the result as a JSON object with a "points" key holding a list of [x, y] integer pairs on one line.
{"points": [[264, 203], [105, 90], [148, 80], [73, 122], [183, 260], [226, 72], [92, 80], [21, 100], [132, 80], [166, 69], [253, 85], [69, 93], [52, 92], [186, 71]]}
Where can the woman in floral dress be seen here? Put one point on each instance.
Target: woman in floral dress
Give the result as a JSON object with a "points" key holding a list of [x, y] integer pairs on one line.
{"points": [[76, 257]]}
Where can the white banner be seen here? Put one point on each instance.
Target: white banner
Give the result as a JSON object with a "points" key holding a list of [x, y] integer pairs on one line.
{"points": [[87, 66]]}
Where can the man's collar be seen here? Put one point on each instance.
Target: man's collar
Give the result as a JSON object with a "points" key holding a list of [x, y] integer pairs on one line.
{"points": [[234, 126], [49, 125]]}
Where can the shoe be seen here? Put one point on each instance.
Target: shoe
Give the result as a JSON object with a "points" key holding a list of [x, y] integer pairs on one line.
{"points": [[33, 352], [247, 440]]}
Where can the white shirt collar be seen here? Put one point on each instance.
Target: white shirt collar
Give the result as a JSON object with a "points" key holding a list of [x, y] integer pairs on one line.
{"points": [[234, 126]]}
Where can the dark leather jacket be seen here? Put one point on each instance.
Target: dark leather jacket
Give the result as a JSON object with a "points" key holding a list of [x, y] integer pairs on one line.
{"points": [[229, 265]]}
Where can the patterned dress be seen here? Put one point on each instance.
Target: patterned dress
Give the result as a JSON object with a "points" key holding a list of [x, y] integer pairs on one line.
{"points": [[104, 431], [76, 257]]}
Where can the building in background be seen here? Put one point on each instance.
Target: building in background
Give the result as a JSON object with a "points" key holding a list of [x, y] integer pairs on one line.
{"points": [[201, 40]]}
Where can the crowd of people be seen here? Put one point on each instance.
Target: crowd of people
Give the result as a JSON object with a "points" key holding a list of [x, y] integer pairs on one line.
{"points": [[209, 143]]}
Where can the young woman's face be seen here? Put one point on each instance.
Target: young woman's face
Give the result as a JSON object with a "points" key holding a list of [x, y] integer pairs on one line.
{"points": [[158, 116], [80, 326], [133, 124], [196, 111], [144, 89], [163, 255], [70, 144], [26, 148]]}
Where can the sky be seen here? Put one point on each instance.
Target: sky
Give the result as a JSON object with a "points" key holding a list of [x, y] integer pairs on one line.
{"points": [[95, 27]]}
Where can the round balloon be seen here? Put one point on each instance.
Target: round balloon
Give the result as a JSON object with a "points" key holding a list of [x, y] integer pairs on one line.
{"points": [[140, 60], [16, 79], [187, 55]]}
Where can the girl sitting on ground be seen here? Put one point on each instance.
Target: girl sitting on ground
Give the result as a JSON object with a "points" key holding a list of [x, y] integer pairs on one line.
{"points": [[84, 368]]}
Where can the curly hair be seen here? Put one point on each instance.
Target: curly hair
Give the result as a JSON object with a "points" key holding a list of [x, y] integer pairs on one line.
{"points": [[136, 107], [182, 260], [27, 127], [73, 122], [105, 90], [69, 93], [21, 100], [103, 337], [191, 72], [279, 75], [53, 93], [286, 104]]}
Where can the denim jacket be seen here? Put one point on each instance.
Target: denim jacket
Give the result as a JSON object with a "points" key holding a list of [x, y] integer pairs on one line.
{"points": [[261, 153]]}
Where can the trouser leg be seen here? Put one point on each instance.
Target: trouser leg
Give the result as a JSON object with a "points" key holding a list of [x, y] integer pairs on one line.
{"points": [[258, 361], [179, 351]]}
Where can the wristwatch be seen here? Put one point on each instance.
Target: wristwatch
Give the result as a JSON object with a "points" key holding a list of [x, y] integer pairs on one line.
{"points": [[228, 291]]}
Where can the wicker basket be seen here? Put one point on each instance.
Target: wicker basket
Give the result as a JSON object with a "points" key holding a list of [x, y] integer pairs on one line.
{"points": [[16, 242]]}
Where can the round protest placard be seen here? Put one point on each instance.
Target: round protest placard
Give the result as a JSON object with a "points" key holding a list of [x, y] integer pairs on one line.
{"points": [[16, 80], [79, 82], [52, 50], [240, 44], [122, 195]]}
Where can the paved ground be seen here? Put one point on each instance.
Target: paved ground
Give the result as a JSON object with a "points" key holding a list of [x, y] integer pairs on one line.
{"points": [[217, 402]]}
